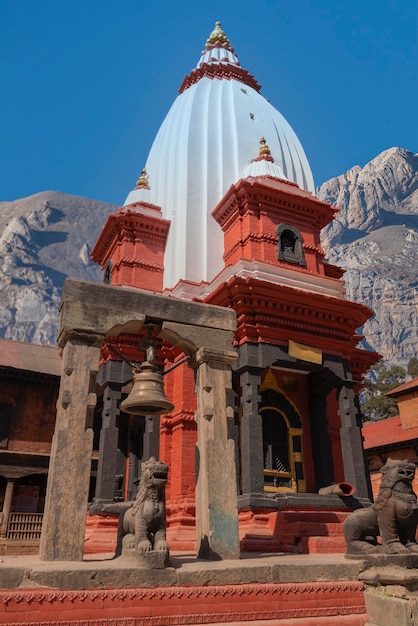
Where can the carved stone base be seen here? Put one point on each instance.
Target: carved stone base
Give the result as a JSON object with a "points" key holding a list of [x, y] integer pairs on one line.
{"points": [[404, 561], [391, 590], [152, 559]]}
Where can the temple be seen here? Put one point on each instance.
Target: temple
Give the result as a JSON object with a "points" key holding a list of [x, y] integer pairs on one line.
{"points": [[224, 213], [216, 289]]}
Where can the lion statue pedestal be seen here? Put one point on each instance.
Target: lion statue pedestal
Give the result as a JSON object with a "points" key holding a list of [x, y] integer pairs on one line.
{"points": [[143, 526], [393, 517]]}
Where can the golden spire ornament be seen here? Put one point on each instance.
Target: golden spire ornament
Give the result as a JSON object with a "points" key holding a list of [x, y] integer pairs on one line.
{"points": [[218, 35], [143, 180], [264, 149]]}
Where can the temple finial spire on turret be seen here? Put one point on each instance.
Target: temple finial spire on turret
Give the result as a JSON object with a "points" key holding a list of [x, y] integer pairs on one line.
{"points": [[264, 150], [142, 182], [218, 35], [264, 164], [218, 60]]}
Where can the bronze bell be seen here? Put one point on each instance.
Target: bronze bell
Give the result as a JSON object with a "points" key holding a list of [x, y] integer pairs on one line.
{"points": [[147, 395]]}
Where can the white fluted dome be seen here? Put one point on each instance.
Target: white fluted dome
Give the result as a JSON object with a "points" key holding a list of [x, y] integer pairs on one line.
{"points": [[206, 143]]}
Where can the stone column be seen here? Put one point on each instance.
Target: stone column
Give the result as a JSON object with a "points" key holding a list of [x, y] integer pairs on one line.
{"points": [[216, 493], [7, 506], [64, 521], [251, 435], [109, 434], [319, 388], [355, 471], [113, 433]]}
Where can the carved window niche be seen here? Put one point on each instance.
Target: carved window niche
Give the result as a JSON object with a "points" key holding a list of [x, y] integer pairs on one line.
{"points": [[107, 276], [282, 444], [289, 246], [277, 470]]}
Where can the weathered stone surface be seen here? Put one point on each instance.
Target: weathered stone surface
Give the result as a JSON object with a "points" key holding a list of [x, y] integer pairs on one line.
{"points": [[393, 569], [186, 570], [120, 573], [64, 518], [384, 608], [216, 494], [104, 309], [215, 574], [303, 571], [11, 577], [154, 560]]}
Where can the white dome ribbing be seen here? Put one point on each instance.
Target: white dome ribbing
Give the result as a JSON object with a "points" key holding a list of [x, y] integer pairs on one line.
{"points": [[206, 143]]}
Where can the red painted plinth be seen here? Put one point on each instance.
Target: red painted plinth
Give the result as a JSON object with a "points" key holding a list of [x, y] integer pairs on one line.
{"points": [[101, 534], [333, 603], [296, 531]]}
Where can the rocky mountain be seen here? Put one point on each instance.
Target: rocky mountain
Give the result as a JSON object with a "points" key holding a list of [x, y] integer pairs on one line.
{"points": [[43, 239], [46, 237], [375, 238]]}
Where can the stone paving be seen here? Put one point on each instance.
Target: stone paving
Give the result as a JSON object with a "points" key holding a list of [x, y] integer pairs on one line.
{"points": [[103, 570]]}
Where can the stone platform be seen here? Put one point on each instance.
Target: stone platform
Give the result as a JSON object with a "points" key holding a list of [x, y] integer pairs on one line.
{"points": [[265, 589]]}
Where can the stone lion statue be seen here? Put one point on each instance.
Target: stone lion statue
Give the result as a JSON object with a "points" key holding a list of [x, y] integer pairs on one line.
{"points": [[143, 526], [393, 517]]}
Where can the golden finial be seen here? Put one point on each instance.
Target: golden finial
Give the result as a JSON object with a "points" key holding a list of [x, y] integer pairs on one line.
{"points": [[143, 179], [218, 35], [264, 149]]}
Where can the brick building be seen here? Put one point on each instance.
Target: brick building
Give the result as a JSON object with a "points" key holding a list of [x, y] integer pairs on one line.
{"points": [[395, 437], [29, 383]]}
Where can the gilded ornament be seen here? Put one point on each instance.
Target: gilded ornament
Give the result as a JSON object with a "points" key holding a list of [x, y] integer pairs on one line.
{"points": [[143, 179], [264, 149], [218, 35]]}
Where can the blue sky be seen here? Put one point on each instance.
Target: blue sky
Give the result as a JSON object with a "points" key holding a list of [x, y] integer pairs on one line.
{"points": [[87, 83]]}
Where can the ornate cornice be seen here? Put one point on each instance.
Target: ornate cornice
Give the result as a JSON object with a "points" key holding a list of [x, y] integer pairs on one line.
{"points": [[139, 263], [219, 71], [333, 271], [37, 596], [272, 314], [278, 198], [312, 249], [130, 225]]}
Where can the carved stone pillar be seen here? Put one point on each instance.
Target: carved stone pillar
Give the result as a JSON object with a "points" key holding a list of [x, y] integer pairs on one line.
{"points": [[355, 471], [321, 442], [216, 495], [251, 435], [64, 521], [7, 506], [109, 434]]}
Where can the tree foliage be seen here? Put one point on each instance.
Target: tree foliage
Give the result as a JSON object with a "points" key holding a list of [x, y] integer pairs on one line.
{"points": [[413, 367], [375, 405]]}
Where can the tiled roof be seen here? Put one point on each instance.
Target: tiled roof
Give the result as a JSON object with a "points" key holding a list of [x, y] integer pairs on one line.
{"points": [[386, 432], [411, 384], [30, 357]]}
